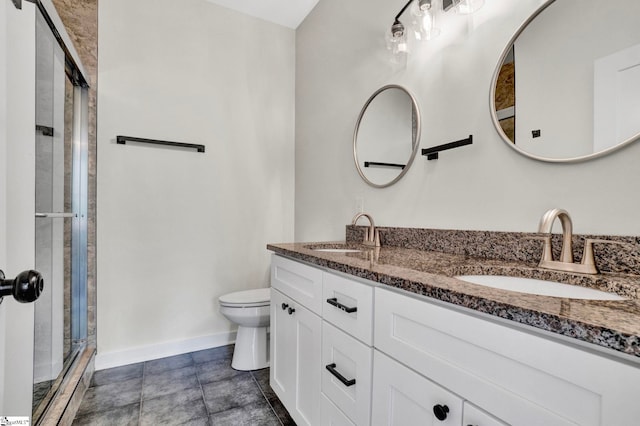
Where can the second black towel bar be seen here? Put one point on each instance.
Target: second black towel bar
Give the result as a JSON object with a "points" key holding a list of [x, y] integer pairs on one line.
{"points": [[432, 153]]}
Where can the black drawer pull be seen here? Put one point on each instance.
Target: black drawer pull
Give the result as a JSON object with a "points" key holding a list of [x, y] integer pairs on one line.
{"points": [[334, 301], [332, 370], [291, 311], [284, 306]]}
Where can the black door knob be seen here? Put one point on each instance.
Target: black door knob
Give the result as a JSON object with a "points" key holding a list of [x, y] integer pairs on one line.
{"points": [[291, 311], [284, 306], [440, 411], [25, 287]]}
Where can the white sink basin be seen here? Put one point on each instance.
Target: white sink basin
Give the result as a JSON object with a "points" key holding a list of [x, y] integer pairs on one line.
{"points": [[337, 250], [539, 287]]}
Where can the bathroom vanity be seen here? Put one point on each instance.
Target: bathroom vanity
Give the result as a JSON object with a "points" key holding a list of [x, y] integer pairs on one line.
{"points": [[387, 335]]}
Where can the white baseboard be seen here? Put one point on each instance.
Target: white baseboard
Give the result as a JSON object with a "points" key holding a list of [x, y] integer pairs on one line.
{"points": [[161, 350]]}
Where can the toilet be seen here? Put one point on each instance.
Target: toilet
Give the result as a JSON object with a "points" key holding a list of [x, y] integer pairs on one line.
{"points": [[250, 311]]}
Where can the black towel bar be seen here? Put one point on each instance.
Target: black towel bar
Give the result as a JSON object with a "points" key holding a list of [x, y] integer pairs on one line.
{"points": [[432, 153], [122, 140]]}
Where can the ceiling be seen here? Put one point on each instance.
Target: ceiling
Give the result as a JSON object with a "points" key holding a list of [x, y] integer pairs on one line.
{"points": [[289, 13]]}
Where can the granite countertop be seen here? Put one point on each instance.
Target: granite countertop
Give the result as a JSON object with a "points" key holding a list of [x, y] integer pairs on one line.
{"points": [[614, 325]]}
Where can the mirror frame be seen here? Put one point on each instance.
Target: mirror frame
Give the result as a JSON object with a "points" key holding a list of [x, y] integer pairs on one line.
{"points": [[416, 141], [494, 114]]}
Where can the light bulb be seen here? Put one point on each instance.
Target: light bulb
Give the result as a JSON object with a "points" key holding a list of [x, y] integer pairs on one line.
{"points": [[397, 39], [424, 22]]}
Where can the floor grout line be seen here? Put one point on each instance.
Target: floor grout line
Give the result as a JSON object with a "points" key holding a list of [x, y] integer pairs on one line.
{"points": [[144, 370], [266, 399], [204, 401]]}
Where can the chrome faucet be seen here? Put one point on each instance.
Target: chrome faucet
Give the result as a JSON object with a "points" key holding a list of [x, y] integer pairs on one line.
{"points": [[587, 265], [371, 235], [546, 224]]}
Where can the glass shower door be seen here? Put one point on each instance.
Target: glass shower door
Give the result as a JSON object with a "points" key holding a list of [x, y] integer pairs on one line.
{"points": [[57, 219]]}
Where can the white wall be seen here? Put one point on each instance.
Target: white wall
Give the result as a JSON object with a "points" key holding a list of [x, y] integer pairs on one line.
{"points": [[341, 59], [177, 229]]}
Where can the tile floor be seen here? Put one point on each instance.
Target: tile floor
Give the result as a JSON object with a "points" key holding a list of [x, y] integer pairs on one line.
{"points": [[198, 388]]}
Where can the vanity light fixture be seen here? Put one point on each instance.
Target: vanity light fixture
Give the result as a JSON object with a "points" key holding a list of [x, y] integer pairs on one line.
{"points": [[424, 22]]}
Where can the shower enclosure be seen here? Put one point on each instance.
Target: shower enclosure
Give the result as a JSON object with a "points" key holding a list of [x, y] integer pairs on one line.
{"points": [[61, 210]]}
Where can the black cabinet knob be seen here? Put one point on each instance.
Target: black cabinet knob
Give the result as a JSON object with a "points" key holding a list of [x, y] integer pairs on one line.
{"points": [[291, 311], [25, 288], [440, 411], [284, 306]]}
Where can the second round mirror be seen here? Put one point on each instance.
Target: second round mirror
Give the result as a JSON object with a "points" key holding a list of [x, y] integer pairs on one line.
{"points": [[567, 87]]}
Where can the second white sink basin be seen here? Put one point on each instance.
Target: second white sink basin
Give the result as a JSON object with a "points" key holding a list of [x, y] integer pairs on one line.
{"points": [[539, 287]]}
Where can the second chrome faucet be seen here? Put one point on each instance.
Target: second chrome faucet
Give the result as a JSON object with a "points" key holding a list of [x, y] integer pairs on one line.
{"points": [[586, 266]]}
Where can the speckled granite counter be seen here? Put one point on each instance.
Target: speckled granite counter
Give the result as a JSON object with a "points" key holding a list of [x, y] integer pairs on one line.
{"points": [[613, 325]]}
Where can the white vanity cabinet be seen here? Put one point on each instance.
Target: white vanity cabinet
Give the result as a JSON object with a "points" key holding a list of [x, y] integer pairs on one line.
{"points": [[296, 336], [346, 353], [517, 377]]}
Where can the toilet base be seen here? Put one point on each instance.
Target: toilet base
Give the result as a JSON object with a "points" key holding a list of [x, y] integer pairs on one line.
{"points": [[252, 350]]}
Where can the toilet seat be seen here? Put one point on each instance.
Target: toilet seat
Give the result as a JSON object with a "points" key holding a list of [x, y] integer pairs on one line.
{"points": [[247, 299]]}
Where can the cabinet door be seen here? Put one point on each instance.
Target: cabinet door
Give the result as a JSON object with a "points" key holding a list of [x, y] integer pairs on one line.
{"points": [[307, 329], [343, 357], [473, 416], [295, 358], [402, 397], [282, 345]]}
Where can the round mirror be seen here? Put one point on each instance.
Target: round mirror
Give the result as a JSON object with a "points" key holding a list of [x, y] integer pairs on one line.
{"points": [[567, 87], [387, 136]]}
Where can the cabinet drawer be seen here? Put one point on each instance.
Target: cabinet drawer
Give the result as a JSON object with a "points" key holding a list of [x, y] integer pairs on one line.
{"points": [[402, 397], [350, 359], [349, 306], [300, 282], [473, 416], [331, 415]]}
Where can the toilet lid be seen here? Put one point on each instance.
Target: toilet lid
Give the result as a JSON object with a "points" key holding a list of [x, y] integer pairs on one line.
{"points": [[258, 297]]}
